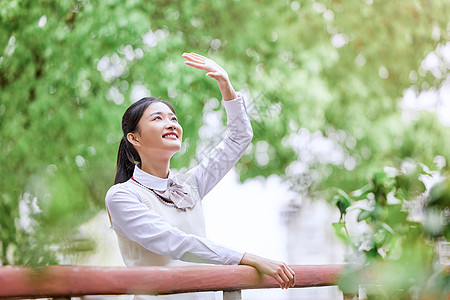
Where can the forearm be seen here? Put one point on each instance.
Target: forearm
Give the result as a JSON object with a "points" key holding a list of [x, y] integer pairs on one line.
{"points": [[217, 162], [227, 91], [250, 259]]}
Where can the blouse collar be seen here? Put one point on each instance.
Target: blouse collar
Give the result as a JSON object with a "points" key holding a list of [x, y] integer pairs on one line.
{"points": [[165, 187], [151, 181]]}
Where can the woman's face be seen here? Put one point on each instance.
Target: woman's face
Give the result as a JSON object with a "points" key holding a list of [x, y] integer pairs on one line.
{"points": [[159, 130]]}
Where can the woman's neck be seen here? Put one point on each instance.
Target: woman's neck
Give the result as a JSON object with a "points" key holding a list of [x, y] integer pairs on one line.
{"points": [[158, 168]]}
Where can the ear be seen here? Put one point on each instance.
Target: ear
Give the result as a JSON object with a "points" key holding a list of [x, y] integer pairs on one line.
{"points": [[133, 138]]}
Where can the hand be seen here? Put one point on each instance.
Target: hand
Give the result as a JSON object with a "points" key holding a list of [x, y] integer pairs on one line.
{"points": [[282, 273], [200, 62], [214, 71]]}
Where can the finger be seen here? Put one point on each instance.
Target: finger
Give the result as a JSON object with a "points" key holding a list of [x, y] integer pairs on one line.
{"points": [[194, 56], [291, 271], [285, 278], [291, 282], [196, 65], [213, 74], [191, 58], [217, 77], [290, 274], [198, 56], [279, 280]]}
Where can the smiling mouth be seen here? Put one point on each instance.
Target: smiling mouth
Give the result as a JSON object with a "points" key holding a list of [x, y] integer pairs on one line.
{"points": [[171, 135]]}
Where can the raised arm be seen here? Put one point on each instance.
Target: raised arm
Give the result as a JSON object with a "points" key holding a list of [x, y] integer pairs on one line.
{"points": [[239, 132], [225, 155]]}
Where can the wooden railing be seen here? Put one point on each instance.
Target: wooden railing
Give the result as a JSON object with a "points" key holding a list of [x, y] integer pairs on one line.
{"points": [[72, 281]]}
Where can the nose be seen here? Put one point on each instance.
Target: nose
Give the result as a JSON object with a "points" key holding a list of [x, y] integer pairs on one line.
{"points": [[172, 125]]}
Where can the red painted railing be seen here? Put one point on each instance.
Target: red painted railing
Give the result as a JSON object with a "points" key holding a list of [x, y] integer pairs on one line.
{"points": [[74, 281]]}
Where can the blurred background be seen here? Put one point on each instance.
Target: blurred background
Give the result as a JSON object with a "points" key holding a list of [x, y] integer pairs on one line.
{"points": [[349, 102]]}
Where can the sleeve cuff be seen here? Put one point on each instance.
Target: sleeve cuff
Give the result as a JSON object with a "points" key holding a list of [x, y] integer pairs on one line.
{"points": [[235, 106], [234, 258]]}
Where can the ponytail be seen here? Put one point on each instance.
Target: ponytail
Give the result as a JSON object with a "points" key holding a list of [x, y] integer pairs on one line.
{"points": [[126, 160], [127, 156]]}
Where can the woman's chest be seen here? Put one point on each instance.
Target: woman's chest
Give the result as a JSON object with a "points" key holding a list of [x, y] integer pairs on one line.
{"points": [[189, 220]]}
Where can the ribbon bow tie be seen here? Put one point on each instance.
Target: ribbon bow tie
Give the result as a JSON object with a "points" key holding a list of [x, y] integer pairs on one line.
{"points": [[177, 194]]}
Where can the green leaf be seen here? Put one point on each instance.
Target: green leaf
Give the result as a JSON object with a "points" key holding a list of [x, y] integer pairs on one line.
{"points": [[440, 195], [362, 193], [364, 214], [341, 231], [342, 201]]}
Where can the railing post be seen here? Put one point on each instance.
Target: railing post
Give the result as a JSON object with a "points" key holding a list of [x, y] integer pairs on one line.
{"points": [[232, 295], [360, 295]]}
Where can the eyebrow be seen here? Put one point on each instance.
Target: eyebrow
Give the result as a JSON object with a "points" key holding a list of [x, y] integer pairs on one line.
{"points": [[161, 113]]}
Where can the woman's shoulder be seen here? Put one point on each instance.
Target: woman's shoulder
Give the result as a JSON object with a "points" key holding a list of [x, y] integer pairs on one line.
{"points": [[124, 189]]}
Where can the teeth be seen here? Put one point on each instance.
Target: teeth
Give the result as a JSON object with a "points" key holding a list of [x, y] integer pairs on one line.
{"points": [[167, 135]]}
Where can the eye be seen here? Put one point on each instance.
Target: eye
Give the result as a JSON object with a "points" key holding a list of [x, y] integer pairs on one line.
{"points": [[175, 119], [157, 118]]}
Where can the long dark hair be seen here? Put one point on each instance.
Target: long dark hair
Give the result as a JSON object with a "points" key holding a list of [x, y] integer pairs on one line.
{"points": [[127, 157]]}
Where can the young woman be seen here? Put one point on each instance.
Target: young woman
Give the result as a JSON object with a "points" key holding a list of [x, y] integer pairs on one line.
{"points": [[156, 214]]}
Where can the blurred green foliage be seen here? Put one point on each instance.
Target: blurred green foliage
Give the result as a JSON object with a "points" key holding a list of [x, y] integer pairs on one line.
{"points": [[333, 70], [395, 254]]}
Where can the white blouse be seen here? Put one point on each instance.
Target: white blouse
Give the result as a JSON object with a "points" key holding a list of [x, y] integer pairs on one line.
{"points": [[134, 220]]}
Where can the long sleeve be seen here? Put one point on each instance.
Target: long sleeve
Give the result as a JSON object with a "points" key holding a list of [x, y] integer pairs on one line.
{"points": [[135, 221], [226, 154]]}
